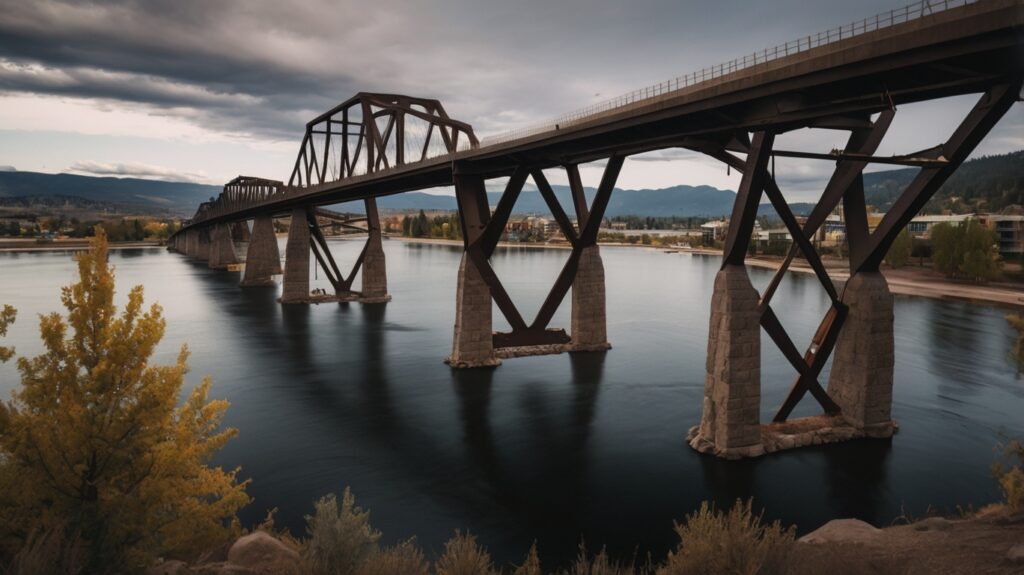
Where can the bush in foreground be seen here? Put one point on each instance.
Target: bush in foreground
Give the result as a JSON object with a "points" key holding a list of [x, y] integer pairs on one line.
{"points": [[94, 449], [341, 541], [712, 542], [1010, 475]]}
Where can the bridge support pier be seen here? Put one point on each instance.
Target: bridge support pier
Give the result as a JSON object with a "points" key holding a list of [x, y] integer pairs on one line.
{"points": [[862, 369], [222, 248], [296, 259], [730, 426], [191, 243], [263, 258], [473, 344], [375, 275], [589, 316], [203, 245]]}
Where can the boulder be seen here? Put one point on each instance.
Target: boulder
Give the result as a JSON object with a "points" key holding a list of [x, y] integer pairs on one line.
{"points": [[1016, 554], [263, 553], [933, 524], [844, 530]]}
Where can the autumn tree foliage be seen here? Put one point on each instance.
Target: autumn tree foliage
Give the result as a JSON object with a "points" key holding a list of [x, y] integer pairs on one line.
{"points": [[95, 445]]}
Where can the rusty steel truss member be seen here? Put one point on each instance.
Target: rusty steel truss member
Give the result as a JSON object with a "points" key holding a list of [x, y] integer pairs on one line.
{"points": [[373, 132]]}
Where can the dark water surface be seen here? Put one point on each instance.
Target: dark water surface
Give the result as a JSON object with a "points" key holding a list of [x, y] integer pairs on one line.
{"points": [[549, 448]]}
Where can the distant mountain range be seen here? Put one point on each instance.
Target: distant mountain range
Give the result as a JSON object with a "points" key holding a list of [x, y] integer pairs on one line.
{"points": [[990, 182], [130, 195]]}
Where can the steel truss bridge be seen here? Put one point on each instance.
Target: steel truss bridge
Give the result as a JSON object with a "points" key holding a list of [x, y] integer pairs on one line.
{"points": [[852, 79]]}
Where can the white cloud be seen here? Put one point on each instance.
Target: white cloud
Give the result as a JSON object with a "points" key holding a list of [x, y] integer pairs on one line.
{"points": [[137, 170]]}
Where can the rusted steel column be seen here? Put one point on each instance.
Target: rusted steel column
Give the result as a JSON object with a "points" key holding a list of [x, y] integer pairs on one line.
{"points": [[473, 341], [263, 258], [203, 245], [730, 425], [375, 274], [296, 259], [589, 317], [222, 248], [862, 367]]}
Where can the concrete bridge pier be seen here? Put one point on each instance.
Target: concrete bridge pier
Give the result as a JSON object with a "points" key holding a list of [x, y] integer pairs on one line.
{"points": [[263, 258], [730, 426], [862, 367], [296, 259], [374, 268], [203, 245], [473, 341], [222, 248], [589, 317], [191, 245]]}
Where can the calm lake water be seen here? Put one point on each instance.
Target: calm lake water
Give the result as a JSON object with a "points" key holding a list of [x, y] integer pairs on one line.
{"points": [[556, 448]]}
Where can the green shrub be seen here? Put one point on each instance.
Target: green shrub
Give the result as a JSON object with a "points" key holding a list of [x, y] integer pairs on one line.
{"points": [[340, 539], [464, 556], [713, 542]]}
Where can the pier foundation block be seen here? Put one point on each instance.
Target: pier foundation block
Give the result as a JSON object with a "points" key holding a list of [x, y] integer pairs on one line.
{"points": [[473, 344], [263, 258], [730, 424], [589, 316], [862, 369], [296, 260], [222, 248]]}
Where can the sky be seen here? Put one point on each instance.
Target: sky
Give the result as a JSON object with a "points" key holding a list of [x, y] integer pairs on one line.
{"points": [[204, 91]]}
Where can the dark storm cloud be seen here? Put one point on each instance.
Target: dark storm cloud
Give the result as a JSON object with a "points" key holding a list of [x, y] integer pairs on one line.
{"points": [[264, 67]]}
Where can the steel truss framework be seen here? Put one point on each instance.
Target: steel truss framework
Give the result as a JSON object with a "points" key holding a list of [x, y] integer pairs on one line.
{"points": [[321, 251], [373, 132], [846, 185], [482, 230]]}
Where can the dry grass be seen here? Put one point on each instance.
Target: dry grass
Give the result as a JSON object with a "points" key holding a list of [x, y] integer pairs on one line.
{"points": [[402, 559], [340, 538], [600, 564], [464, 556], [713, 542], [532, 564]]}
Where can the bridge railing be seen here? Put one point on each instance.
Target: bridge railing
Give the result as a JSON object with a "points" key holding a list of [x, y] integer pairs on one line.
{"points": [[680, 84]]}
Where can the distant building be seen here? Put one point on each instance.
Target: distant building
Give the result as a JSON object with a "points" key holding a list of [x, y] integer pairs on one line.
{"points": [[714, 231], [1010, 231], [921, 226]]}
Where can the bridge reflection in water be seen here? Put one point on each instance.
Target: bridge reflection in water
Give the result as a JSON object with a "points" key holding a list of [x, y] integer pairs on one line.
{"points": [[852, 79]]}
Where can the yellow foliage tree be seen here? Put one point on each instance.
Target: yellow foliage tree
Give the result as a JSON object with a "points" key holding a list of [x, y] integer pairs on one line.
{"points": [[94, 441]]}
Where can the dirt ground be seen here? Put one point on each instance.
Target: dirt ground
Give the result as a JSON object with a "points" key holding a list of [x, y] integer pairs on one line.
{"points": [[975, 546]]}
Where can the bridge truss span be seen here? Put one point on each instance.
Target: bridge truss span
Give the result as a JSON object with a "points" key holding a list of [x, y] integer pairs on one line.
{"points": [[374, 132], [853, 80]]}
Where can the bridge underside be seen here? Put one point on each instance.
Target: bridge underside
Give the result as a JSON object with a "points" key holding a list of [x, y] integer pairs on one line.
{"points": [[367, 148]]}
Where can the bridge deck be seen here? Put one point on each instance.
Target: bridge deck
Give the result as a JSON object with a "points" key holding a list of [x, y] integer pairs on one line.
{"points": [[955, 51]]}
